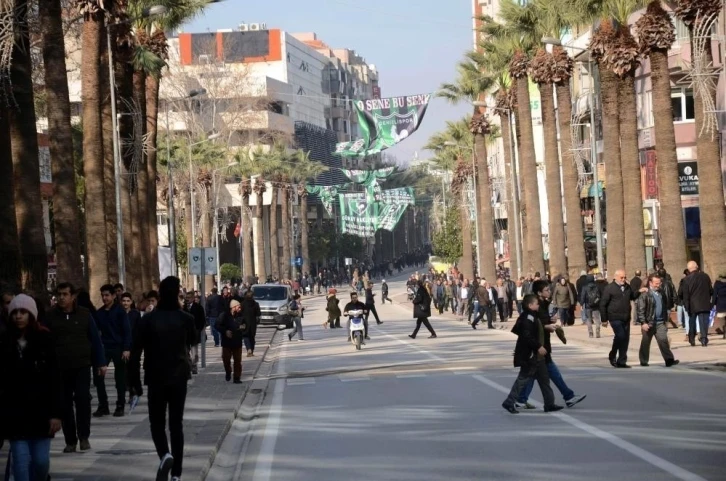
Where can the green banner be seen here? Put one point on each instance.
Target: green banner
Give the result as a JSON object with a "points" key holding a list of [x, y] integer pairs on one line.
{"points": [[384, 123], [358, 216], [326, 194], [401, 196], [390, 215], [369, 179]]}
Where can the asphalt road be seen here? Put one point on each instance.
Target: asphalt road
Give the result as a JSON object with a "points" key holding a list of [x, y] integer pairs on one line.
{"points": [[430, 409]]}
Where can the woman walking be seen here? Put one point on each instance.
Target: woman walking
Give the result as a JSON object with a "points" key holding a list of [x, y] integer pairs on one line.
{"points": [[422, 310], [31, 404]]}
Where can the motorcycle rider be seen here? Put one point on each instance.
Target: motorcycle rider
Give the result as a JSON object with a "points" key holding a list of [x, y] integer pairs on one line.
{"points": [[355, 305]]}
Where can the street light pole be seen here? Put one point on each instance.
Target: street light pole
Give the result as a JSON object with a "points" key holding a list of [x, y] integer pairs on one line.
{"points": [[116, 164]]}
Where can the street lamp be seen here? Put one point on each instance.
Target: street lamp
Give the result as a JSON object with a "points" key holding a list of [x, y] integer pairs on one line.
{"points": [[593, 150], [171, 221], [152, 11], [216, 221], [451, 143]]}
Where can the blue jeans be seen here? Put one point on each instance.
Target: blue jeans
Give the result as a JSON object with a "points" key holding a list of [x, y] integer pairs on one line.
{"points": [[212, 321], [555, 377], [683, 318], [586, 314], [31, 459]]}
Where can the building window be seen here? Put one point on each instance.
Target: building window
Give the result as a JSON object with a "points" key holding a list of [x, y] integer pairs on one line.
{"points": [[683, 106]]}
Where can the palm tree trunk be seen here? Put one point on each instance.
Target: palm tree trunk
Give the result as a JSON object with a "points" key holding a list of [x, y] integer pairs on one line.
{"points": [[576, 261], [274, 238], [613, 181], [108, 168], [528, 163], [630, 165], [558, 260], [66, 214], [672, 231], [286, 233], [260, 268], [143, 182], [466, 264], [304, 230], [131, 238], [188, 221], [93, 166], [487, 257], [9, 246], [26, 165], [152, 170], [249, 266], [710, 189], [524, 232], [506, 137]]}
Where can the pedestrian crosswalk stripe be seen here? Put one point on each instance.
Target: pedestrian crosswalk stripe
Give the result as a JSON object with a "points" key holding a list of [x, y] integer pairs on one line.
{"points": [[354, 378], [410, 376], [300, 381]]}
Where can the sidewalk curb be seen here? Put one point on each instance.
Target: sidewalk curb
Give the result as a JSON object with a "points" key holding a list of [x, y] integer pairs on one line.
{"points": [[220, 440]]}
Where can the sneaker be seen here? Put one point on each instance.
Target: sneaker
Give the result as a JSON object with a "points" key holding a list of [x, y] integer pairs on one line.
{"points": [[119, 412], [553, 408], [165, 467], [70, 448], [575, 399], [525, 405], [85, 445], [511, 409], [100, 412]]}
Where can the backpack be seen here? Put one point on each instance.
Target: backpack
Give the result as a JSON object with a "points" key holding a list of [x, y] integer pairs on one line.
{"points": [[592, 295]]}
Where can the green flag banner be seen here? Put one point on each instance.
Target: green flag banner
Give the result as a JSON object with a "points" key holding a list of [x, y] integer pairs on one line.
{"points": [[403, 196], [384, 123], [390, 215], [326, 194], [369, 179], [358, 216]]}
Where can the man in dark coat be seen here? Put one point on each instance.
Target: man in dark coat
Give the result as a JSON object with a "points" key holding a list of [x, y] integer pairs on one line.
{"points": [[529, 356], [233, 329], [251, 314], [192, 307], [213, 308], [697, 294], [615, 308]]}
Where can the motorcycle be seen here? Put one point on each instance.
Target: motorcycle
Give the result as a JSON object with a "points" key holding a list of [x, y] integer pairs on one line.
{"points": [[357, 328]]}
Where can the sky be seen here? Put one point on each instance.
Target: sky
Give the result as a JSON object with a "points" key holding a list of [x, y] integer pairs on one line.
{"points": [[414, 44]]}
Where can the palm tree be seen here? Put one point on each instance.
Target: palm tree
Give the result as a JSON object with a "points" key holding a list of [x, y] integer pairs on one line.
{"points": [[611, 137], [462, 172], [277, 177], [93, 166], [9, 246], [656, 35], [306, 171], [699, 16], [26, 165], [66, 214], [471, 85]]}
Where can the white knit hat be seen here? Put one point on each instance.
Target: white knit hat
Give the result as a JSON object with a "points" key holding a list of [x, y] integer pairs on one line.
{"points": [[23, 301]]}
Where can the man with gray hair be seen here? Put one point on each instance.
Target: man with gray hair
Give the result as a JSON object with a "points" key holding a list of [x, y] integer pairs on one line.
{"points": [[615, 308]]}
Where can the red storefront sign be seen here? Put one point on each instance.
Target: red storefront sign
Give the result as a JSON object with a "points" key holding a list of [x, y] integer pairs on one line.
{"points": [[651, 178]]}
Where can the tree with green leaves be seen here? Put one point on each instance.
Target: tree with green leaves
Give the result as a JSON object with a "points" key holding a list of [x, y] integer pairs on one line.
{"points": [[447, 241]]}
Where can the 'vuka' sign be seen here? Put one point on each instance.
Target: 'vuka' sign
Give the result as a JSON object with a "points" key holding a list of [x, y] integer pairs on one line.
{"points": [[688, 178]]}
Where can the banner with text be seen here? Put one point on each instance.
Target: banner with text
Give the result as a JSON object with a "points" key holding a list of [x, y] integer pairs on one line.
{"points": [[384, 123]]}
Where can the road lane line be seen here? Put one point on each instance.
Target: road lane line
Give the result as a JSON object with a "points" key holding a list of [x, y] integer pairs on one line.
{"points": [[637, 451], [301, 381], [263, 466]]}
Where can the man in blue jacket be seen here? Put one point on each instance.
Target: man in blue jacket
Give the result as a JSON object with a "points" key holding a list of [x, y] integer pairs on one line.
{"points": [[113, 324]]}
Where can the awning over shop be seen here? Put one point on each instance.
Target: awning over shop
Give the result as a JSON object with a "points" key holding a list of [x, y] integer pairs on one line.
{"points": [[589, 190]]}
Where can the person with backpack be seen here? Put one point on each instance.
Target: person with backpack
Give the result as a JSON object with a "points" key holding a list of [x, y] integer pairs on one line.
{"points": [[590, 301]]}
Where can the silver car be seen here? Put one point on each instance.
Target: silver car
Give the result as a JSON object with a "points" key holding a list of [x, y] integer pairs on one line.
{"points": [[274, 301]]}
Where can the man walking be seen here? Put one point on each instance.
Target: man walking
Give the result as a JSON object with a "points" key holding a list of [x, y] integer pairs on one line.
{"points": [[232, 327], [113, 324], [214, 307], [191, 306], [697, 293], [615, 309], [384, 292], [166, 373], [653, 318], [371, 303], [77, 347]]}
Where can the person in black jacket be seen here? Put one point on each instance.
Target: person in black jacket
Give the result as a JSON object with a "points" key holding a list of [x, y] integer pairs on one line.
{"points": [[214, 307], [165, 336], [422, 310], [697, 294], [384, 292], [529, 357], [251, 314], [77, 347], [615, 308], [232, 327], [371, 303], [31, 395], [192, 307]]}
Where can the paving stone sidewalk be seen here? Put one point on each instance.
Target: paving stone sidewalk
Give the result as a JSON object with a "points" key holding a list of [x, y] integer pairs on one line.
{"points": [[122, 448]]}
